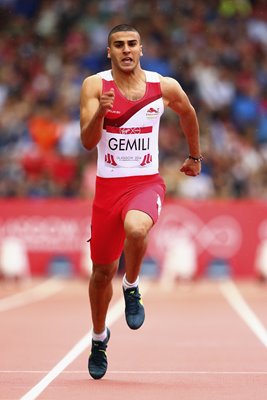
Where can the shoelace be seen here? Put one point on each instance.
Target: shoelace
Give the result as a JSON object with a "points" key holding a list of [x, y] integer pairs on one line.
{"points": [[133, 298]]}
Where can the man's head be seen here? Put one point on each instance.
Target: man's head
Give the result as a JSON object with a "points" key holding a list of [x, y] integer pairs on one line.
{"points": [[124, 48]]}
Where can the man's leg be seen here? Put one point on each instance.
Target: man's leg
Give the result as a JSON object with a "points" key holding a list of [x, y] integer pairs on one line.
{"points": [[136, 225], [100, 294]]}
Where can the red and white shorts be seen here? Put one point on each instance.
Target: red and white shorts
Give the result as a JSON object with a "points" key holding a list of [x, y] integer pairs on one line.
{"points": [[114, 197]]}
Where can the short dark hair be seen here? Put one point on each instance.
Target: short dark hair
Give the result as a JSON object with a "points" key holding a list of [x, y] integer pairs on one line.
{"points": [[121, 28]]}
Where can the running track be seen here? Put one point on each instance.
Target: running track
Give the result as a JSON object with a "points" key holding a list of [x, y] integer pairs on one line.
{"points": [[200, 341]]}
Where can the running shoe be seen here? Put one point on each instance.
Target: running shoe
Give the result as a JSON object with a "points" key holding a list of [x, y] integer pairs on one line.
{"points": [[134, 309], [97, 362]]}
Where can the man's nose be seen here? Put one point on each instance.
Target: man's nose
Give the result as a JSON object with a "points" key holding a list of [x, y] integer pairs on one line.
{"points": [[126, 48]]}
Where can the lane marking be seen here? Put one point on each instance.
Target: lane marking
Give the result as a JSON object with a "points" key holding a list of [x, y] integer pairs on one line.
{"points": [[238, 303], [116, 311], [37, 293], [157, 372]]}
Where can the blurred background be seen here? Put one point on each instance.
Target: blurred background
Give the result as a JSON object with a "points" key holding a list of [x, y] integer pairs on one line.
{"points": [[216, 49]]}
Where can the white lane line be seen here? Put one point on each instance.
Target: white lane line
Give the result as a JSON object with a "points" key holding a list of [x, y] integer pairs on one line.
{"points": [[32, 295], [116, 311], [190, 372], [148, 372], [238, 303]]}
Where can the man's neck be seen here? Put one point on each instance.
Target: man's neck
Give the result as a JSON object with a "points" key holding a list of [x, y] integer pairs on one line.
{"points": [[128, 77], [131, 84]]}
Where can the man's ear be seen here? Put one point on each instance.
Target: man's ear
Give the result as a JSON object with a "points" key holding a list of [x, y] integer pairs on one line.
{"points": [[141, 53], [108, 52]]}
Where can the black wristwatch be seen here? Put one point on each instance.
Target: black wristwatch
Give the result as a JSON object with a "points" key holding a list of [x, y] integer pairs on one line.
{"points": [[196, 159]]}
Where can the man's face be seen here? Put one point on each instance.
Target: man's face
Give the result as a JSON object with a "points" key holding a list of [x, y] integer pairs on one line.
{"points": [[125, 50]]}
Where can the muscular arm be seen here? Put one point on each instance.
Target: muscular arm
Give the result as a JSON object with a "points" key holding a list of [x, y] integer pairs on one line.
{"points": [[93, 108], [175, 98]]}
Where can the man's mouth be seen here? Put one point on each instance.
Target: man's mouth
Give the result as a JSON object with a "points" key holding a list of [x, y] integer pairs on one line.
{"points": [[127, 60]]}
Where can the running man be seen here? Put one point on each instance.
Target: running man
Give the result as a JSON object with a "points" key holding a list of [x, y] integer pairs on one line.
{"points": [[120, 113]]}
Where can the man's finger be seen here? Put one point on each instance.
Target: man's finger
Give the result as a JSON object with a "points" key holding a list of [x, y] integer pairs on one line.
{"points": [[111, 92]]}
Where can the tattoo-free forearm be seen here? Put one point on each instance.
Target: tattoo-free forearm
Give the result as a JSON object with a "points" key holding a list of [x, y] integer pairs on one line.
{"points": [[190, 127], [91, 133]]}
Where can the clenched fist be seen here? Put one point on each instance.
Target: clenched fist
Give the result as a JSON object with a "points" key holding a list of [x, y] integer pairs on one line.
{"points": [[191, 168], [106, 102]]}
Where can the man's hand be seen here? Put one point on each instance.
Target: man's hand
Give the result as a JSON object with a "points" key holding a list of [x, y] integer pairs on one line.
{"points": [[106, 102], [191, 168]]}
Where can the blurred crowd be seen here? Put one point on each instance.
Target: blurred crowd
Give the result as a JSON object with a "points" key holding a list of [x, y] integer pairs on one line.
{"points": [[217, 50]]}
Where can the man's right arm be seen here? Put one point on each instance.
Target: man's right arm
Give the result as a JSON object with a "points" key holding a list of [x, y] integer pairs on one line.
{"points": [[93, 108]]}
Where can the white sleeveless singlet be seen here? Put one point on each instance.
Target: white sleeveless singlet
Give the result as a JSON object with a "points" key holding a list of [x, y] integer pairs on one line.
{"points": [[129, 142]]}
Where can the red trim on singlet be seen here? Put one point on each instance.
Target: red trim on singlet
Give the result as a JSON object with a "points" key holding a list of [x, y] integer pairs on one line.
{"points": [[130, 107], [129, 131], [133, 110]]}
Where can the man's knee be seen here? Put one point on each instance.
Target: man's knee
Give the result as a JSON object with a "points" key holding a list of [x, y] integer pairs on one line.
{"points": [[136, 233], [137, 225], [102, 275]]}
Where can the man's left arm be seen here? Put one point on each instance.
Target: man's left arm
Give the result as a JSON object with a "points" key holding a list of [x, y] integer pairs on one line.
{"points": [[175, 98]]}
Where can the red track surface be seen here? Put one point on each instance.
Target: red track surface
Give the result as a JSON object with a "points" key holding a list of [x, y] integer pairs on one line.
{"points": [[193, 345]]}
